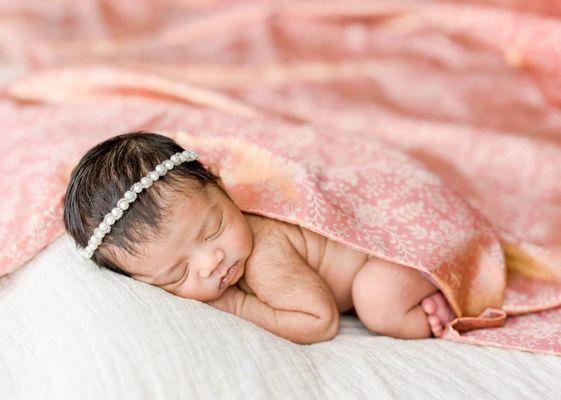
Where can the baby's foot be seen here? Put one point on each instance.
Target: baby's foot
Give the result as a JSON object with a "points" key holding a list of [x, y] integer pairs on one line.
{"points": [[438, 312]]}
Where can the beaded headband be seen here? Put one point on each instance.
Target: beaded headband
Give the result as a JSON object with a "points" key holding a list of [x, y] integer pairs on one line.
{"points": [[130, 196]]}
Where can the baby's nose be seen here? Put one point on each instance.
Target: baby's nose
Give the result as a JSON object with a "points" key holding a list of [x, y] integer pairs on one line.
{"points": [[212, 264]]}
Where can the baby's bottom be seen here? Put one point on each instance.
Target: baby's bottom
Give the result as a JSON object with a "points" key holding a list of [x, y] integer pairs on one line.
{"points": [[395, 300]]}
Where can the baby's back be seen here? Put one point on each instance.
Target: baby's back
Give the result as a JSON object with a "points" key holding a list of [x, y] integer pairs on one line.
{"points": [[336, 263]]}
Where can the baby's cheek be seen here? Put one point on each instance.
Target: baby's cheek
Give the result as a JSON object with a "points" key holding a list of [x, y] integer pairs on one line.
{"points": [[181, 291]]}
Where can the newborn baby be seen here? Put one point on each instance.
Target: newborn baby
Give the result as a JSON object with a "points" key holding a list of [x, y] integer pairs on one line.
{"points": [[185, 234]]}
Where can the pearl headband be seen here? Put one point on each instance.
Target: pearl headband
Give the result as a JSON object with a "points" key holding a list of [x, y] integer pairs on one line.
{"points": [[130, 196]]}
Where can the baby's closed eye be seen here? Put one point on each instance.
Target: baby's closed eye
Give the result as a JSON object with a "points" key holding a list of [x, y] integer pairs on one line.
{"points": [[218, 230]]}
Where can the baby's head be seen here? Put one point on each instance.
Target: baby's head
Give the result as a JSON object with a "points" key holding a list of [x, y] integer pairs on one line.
{"points": [[182, 233]]}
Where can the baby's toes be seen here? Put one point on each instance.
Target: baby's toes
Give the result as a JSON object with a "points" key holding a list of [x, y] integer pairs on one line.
{"points": [[433, 320], [443, 310], [438, 331], [428, 305], [435, 325]]}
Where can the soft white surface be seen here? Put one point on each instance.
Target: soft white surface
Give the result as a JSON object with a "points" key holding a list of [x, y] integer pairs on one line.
{"points": [[72, 331]]}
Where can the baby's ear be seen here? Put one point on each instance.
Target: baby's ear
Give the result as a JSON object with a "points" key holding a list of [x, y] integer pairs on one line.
{"points": [[214, 169]]}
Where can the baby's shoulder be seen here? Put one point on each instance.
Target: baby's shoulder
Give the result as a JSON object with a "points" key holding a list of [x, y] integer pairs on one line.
{"points": [[274, 236], [274, 257], [270, 227]]}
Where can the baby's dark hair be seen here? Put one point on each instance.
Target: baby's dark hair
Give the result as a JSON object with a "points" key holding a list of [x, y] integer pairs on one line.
{"points": [[107, 171]]}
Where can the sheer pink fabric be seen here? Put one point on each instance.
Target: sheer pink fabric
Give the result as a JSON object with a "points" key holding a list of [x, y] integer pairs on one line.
{"points": [[426, 133]]}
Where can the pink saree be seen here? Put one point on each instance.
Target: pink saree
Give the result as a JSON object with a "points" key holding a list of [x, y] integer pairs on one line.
{"points": [[425, 133]]}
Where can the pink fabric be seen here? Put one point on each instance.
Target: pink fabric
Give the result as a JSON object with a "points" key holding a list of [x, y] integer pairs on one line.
{"points": [[422, 132]]}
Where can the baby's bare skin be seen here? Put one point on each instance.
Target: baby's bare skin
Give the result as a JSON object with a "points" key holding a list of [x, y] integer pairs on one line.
{"points": [[388, 298], [289, 281]]}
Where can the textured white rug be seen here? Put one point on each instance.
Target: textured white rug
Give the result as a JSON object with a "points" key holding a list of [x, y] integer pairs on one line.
{"points": [[72, 331]]}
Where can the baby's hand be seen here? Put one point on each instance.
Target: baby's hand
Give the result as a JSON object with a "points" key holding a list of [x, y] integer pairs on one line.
{"points": [[230, 301]]}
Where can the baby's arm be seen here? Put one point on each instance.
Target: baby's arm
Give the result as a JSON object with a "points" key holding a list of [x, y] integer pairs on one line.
{"points": [[290, 299], [300, 327]]}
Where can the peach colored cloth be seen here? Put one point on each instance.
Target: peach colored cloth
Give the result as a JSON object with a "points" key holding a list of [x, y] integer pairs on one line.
{"points": [[417, 131]]}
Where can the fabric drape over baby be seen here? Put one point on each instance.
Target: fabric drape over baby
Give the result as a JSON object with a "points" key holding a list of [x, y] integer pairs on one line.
{"points": [[368, 195]]}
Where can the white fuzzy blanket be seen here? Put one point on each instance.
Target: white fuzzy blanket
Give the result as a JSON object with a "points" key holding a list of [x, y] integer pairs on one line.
{"points": [[72, 331]]}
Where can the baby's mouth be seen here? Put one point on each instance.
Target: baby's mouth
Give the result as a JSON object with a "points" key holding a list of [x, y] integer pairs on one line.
{"points": [[232, 270]]}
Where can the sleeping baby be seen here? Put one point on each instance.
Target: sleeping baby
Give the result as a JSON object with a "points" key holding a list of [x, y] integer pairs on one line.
{"points": [[142, 206]]}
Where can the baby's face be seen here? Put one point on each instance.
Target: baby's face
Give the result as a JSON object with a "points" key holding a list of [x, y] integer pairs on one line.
{"points": [[208, 235]]}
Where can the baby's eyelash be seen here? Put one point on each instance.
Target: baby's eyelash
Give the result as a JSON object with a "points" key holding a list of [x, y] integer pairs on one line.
{"points": [[219, 227], [182, 276]]}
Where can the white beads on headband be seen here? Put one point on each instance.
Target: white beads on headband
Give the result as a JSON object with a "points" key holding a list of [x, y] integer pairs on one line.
{"points": [[130, 196]]}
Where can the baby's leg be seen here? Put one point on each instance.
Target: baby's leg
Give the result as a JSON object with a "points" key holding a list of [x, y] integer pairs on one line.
{"points": [[394, 300]]}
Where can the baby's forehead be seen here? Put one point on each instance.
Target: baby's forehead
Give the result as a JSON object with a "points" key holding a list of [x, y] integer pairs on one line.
{"points": [[187, 212], [194, 205]]}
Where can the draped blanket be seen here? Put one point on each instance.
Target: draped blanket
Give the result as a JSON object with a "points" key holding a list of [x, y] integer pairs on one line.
{"points": [[425, 133]]}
